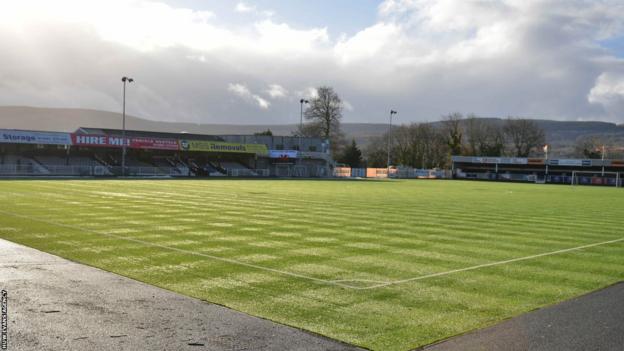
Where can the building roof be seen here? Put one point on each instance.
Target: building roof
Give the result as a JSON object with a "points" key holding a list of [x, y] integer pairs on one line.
{"points": [[140, 133]]}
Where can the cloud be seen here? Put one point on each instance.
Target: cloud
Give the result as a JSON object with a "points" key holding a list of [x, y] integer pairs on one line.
{"points": [[609, 92], [426, 58], [244, 8], [244, 92], [347, 105], [277, 91], [308, 93]]}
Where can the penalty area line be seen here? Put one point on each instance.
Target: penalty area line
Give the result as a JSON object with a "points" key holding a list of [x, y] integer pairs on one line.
{"points": [[492, 264]]}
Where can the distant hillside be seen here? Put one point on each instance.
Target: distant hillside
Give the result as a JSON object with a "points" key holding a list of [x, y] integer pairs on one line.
{"points": [[68, 120], [560, 134]]}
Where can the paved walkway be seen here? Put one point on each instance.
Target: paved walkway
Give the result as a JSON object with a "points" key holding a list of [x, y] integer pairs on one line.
{"points": [[591, 322], [55, 304]]}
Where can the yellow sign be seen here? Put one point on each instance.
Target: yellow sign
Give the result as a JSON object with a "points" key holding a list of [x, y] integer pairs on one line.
{"points": [[219, 146]]}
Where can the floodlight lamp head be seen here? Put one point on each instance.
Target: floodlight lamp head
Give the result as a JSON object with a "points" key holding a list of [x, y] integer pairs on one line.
{"points": [[393, 112], [123, 79], [130, 80]]}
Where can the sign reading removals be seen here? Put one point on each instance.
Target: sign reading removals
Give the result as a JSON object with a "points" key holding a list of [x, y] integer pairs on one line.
{"points": [[27, 137], [219, 146], [131, 142]]}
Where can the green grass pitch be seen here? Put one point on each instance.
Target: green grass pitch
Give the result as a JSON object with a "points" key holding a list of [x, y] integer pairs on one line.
{"points": [[357, 261]]}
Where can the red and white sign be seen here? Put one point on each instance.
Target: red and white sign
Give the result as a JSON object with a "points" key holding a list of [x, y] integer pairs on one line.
{"points": [[154, 143], [131, 142], [97, 140]]}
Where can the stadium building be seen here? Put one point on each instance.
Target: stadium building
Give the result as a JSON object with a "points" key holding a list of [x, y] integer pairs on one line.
{"points": [[98, 152], [539, 170]]}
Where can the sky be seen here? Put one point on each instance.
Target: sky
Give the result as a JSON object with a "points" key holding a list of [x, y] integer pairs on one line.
{"points": [[250, 62]]}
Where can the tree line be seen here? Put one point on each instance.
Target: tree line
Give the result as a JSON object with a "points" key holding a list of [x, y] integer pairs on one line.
{"points": [[421, 145], [430, 145]]}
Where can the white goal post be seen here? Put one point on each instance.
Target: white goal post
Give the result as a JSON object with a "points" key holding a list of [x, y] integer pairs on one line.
{"points": [[602, 175]]}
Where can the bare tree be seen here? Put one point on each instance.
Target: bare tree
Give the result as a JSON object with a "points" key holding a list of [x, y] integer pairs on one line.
{"points": [[484, 137], [453, 131], [402, 144], [325, 111], [418, 145], [434, 147], [594, 146], [309, 130], [524, 135], [376, 152]]}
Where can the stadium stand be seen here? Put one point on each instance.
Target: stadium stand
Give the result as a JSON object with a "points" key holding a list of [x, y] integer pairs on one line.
{"points": [[227, 165], [98, 152], [538, 170], [16, 164]]}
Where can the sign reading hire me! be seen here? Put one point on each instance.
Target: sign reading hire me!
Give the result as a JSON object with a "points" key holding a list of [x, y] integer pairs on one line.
{"points": [[98, 140], [132, 142]]}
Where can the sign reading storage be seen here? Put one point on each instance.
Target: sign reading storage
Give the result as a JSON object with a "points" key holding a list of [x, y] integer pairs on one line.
{"points": [[219, 146], [26, 137]]}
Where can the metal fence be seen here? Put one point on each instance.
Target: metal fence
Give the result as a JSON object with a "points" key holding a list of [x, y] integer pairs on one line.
{"points": [[87, 171], [413, 173], [28, 170], [403, 173], [37, 170], [248, 172]]}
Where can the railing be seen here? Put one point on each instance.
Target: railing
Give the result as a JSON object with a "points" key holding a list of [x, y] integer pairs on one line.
{"points": [[147, 171], [35, 170], [85, 171], [19, 169], [239, 172], [316, 155], [30, 170], [411, 173], [407, 173]]}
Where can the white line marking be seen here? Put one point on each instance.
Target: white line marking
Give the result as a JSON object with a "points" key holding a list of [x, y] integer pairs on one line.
{"points": [[493, 264], [359, 281], [318, 280]]}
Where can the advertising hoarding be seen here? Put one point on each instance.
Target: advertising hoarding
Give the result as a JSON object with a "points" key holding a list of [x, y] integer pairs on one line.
{"points": [[27, 137], [117, 141], [283, 153], [154, 143], [219, 146]]}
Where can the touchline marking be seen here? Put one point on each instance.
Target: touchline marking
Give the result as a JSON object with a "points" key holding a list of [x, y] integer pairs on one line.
{"points": [[318, 280], [492, 264]]}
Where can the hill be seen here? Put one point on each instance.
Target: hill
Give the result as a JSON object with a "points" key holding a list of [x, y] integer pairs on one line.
{"points": [[560, 134]]}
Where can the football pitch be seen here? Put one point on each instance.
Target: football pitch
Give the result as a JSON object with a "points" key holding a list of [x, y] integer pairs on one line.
{"points": [[387, 265]]}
